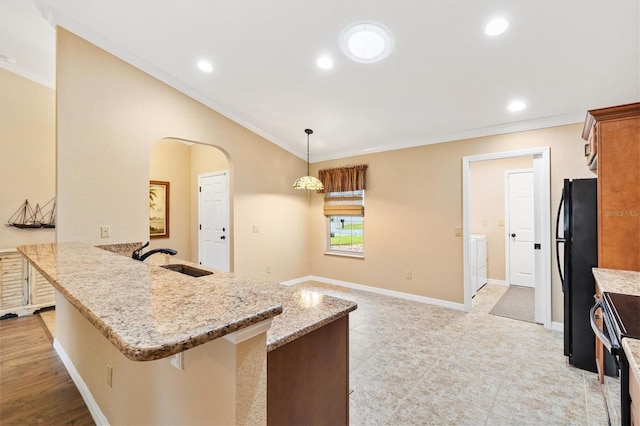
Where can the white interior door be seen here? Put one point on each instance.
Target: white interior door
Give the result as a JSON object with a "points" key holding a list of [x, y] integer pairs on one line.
{"points": [[213, 217], [521, 228]]}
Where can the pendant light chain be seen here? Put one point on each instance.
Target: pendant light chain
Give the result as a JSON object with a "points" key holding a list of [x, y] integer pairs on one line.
{"points": [[308, 133], [308, 182]]}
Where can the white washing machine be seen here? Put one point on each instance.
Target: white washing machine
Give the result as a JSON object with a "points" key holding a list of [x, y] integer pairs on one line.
{"points": [[478, 261]]}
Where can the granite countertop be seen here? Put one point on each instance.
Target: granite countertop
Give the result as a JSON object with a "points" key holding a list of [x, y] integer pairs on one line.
{"points": [[617, 281], [149, 312], [632, 350], [303, 310]]}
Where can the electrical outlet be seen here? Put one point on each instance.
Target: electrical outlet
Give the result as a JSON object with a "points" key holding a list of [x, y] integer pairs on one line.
{"points": [[407, 274], [104, 231], [268, 269], [109, 376]]}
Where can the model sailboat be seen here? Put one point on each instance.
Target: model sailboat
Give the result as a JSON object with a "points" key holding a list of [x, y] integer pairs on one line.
{"points": [[48, 218], [26, 217]]}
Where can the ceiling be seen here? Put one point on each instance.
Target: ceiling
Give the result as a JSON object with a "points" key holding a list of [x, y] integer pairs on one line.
{"points": [[444, 80]]}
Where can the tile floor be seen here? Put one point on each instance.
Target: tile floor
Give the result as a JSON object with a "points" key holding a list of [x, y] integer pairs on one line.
{"points": [[418, 364]]}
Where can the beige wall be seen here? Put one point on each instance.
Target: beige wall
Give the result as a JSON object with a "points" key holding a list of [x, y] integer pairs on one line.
{"points": [[109, 116], [27, 154], [170, 161], [221, 383], [486, 200], [180, 164], [413, 203]]}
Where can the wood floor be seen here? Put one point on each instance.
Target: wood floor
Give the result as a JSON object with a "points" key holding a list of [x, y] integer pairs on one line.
{"points": [[35, 387]]}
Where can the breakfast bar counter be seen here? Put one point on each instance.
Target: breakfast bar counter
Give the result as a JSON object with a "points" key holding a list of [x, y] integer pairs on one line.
{"points": [[146, 312], [149, 312]]}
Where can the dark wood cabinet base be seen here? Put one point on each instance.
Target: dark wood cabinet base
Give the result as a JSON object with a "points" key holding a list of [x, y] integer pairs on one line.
{"points": [[308, 378]]}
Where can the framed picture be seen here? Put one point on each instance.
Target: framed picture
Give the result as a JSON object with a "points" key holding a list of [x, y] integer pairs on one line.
{"points": [[158, 209]]}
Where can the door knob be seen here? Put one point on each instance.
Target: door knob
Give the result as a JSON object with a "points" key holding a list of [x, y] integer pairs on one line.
{"points": [[223, 237], [513, 235]]}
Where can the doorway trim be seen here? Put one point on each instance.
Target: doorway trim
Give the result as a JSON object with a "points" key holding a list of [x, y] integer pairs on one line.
{"points": [[542, 233]]}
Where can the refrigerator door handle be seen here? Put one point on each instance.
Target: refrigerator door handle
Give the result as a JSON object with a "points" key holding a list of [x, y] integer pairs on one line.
{"points": [[559, 240], [558, 216]]}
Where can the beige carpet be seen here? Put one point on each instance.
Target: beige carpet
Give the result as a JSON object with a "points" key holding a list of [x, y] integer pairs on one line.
{"points": [[516, 303]]}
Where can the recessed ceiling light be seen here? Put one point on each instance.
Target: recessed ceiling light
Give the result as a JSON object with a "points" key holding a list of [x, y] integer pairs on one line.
{"points": [[366, 42], [496, 27], [205, 66], [516, 106], [325, 62]]}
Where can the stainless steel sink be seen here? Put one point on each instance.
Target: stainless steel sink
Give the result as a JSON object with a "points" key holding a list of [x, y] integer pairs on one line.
{"points": [[187, 270]]}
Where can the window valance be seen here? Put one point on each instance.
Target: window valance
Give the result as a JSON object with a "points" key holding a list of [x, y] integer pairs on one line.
{"points": [[343, 179]]}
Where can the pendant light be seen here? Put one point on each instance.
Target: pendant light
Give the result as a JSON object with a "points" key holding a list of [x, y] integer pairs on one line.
{"points": [[308, 182]]}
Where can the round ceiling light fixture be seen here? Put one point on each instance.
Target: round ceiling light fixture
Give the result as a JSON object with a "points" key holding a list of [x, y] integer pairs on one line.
{"points": [[366, 42]]}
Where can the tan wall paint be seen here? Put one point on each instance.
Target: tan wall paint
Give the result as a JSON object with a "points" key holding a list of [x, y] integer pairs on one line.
{"points": [[180, 164], [486, 200], [221, 383], [27, 154], [413, 203], [170, 161], [109, 116]]}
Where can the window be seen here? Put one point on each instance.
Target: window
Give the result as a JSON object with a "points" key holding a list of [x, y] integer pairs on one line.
{"points": [[344, 208], [345, 218]]}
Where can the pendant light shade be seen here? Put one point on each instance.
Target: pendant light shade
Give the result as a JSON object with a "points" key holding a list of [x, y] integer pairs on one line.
{"points": [[308, 182]]}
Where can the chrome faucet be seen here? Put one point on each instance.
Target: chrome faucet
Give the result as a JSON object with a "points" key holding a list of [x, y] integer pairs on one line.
{"points": [[141, 257]]}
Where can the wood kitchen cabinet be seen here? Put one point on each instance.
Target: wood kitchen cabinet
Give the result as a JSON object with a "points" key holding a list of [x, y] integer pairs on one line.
{"points": [[614, 155], [308, 378]]}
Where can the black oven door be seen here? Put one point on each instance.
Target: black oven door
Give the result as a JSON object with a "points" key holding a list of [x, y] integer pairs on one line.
{"points": [[609, 340], [612, 343]]}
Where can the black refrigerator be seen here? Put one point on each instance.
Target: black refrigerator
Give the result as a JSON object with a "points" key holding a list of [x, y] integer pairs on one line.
{"points": [[577, 254]]}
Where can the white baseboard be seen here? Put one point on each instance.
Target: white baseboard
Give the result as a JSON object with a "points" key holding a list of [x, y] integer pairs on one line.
{"points": [[557, 326], [497, 282], [298, 280], [92, 405], [392, 293]]}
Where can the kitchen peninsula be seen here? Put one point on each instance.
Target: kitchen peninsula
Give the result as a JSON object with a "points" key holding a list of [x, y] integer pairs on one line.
{"points": [[149, 345]]}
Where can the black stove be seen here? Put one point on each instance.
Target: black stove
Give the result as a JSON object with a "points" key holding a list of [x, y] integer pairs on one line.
{"points": [[621, 316], [625, 309]]}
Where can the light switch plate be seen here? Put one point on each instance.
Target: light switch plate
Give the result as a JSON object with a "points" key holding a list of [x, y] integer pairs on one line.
{"points": [[104, 231]]}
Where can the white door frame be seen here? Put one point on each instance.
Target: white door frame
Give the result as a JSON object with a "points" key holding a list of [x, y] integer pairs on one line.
{"points": [[228, 236], [507, 223], [542, 207]]}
